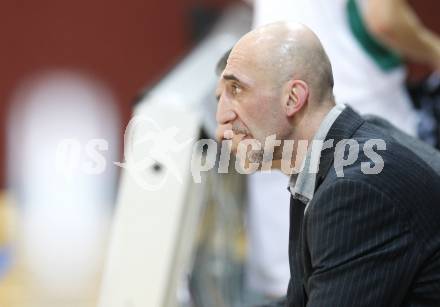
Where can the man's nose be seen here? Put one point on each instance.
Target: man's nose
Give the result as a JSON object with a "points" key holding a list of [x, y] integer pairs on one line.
{"points": [[224, 114]]}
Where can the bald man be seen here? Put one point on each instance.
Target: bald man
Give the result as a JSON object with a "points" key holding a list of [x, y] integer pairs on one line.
{"points": [[364, 210], [366, 41]]}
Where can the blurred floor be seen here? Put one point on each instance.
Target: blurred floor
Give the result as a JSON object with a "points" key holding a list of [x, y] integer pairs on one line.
{"points": [[16, 286]]}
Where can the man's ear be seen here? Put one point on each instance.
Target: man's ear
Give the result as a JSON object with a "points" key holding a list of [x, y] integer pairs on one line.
{"points": [[298, 96]]}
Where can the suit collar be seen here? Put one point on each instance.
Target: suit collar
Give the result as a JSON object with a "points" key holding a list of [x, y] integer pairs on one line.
{"points": [[344, 127], [302, 186]]}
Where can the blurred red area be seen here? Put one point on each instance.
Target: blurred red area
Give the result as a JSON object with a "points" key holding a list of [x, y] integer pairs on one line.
{"points": [[125, 44]]}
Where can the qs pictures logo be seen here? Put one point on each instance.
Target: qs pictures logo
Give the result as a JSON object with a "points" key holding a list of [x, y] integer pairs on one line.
{"points": [[150, 150]]}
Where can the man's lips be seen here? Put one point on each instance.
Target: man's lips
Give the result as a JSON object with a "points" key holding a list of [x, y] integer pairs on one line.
{"points": [[242, 136]]}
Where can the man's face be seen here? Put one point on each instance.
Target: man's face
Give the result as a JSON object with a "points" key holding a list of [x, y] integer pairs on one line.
{"points": [[249, 100]]}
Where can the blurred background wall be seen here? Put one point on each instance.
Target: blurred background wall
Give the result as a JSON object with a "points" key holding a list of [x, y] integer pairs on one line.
{"points": [[123, 47], [126, 45]]}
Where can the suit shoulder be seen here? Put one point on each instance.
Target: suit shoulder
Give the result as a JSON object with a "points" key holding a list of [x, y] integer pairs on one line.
{"points": [[399, 167]]}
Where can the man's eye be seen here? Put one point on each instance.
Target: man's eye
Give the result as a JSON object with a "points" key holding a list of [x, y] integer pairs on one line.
{"points": [[235, 89]]}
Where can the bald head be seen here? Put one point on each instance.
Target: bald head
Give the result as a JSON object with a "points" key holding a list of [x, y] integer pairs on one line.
{"points": [[283, 51]]}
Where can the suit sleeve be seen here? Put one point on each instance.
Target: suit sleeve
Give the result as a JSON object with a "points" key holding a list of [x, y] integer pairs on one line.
{"points": [[361, 249]]}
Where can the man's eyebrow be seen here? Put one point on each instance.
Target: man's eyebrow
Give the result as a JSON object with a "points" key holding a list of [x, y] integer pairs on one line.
{"points": [[231, 78]]}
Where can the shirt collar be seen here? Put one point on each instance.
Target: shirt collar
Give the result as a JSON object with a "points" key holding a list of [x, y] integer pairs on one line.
{"points": [[302, 186]]}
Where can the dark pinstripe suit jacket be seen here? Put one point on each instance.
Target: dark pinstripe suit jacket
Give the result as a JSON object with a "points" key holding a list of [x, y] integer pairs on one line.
{"points": [[367, 240]]}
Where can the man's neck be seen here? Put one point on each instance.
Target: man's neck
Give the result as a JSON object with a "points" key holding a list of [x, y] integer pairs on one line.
{"points": [[309, 124], [304, 130]]}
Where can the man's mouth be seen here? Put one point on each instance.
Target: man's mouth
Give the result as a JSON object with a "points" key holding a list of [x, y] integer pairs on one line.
{"points": [[243, 136], [231, 134]]}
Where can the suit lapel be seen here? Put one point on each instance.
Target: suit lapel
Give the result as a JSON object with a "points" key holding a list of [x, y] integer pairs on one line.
{"points": [[296, 251]]}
